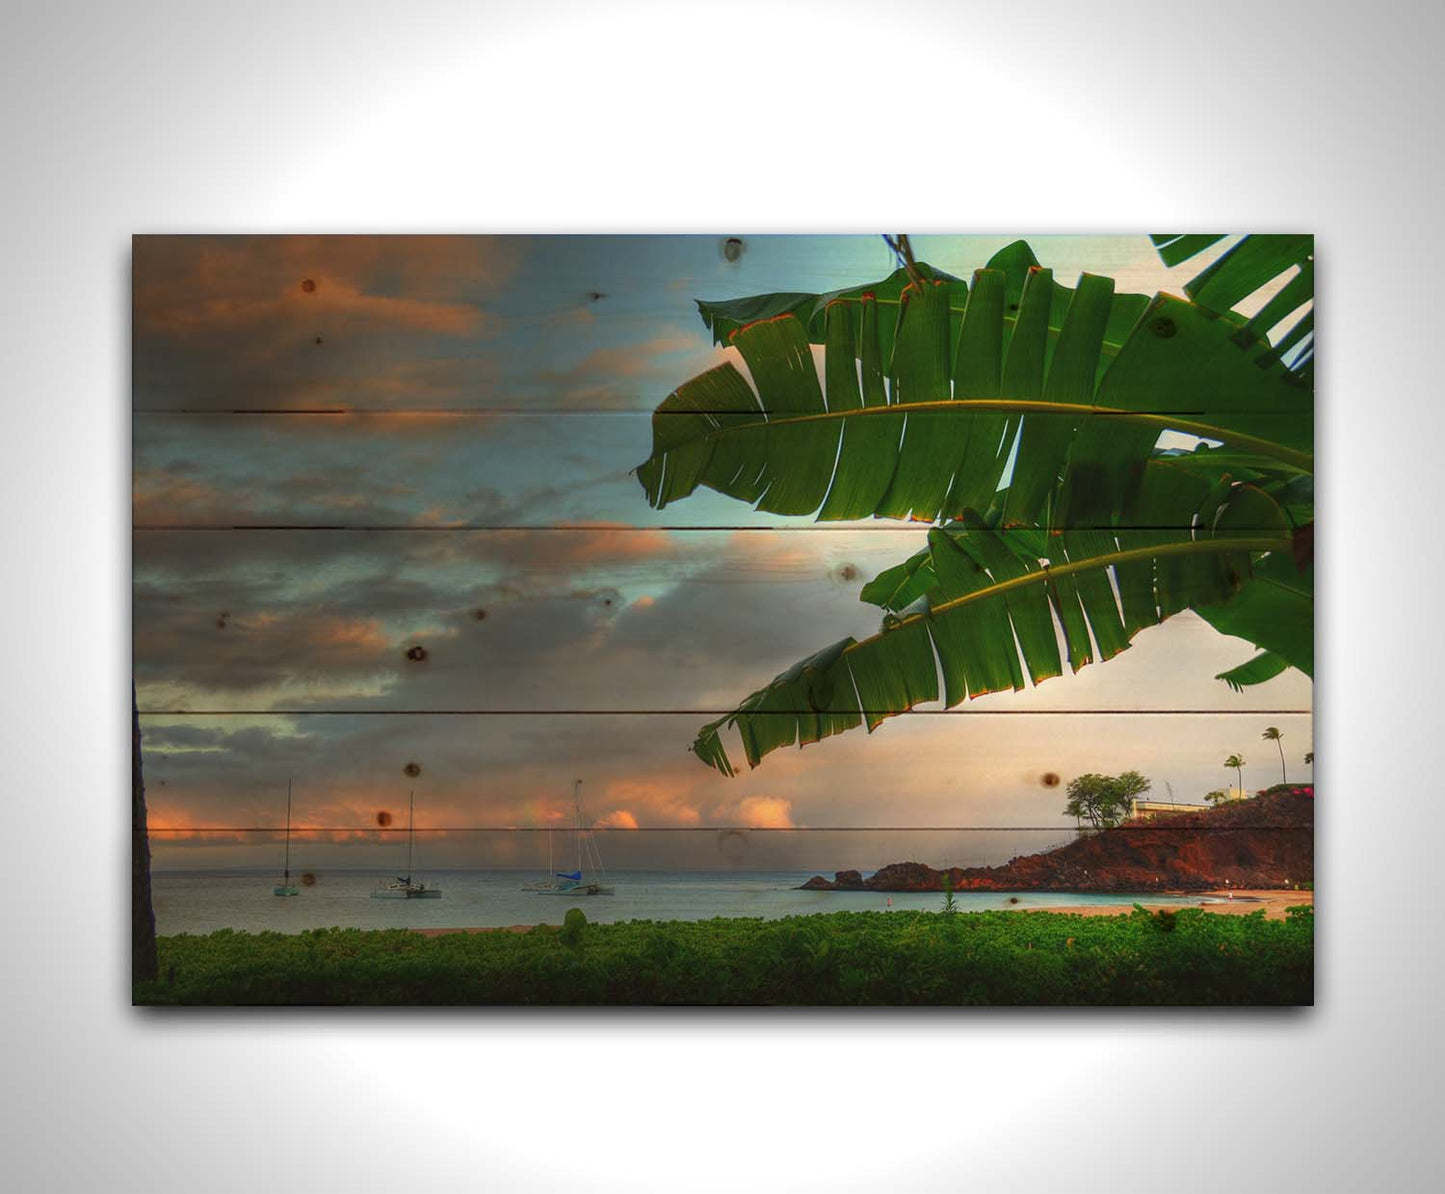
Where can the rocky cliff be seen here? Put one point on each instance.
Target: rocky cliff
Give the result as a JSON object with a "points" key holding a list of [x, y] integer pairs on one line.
{"points": [[1265, 841]]}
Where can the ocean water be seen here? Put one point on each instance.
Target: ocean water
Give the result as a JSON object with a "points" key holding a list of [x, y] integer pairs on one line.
{"points": [[195, 901]]}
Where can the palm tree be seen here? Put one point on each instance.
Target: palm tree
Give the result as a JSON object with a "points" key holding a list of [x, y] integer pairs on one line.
{"points": [[1238, 764], [1019, 420], [1309, 758], [1274, 734]]}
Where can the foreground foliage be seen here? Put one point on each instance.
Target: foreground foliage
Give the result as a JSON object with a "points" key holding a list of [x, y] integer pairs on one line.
{"points": [[1190, 957], [1021, 419]]}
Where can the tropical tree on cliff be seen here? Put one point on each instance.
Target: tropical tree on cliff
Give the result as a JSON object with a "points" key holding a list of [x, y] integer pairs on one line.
{"points": [[1216, 797], [1309, 758], [1020, 419], [1104, 800], [1276, 735], [1237, 763]]}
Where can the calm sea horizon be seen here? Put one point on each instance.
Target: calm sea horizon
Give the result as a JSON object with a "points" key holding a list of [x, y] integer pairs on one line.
{"points": [[202, 901]]}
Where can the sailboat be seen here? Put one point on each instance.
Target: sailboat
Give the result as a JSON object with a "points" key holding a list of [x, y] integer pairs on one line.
{"points": [[575, 882], [403, 887], [544, 884], [286, 887]]}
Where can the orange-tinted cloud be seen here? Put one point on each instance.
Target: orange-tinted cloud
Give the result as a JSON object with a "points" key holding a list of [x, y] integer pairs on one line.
{"points": [[766, 812], [365, 633], [159, 498], [617, 819], [568, 548], [610, 541], [285, 322], [188, 284], [661, 798], [633, 360]]}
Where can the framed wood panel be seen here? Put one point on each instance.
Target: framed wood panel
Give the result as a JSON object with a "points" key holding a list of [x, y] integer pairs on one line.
{"points": [[463, 521]]}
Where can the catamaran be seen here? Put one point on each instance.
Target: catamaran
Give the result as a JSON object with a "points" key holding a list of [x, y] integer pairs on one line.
{"points": [[403, 887], [575, 882], [286, 887]]}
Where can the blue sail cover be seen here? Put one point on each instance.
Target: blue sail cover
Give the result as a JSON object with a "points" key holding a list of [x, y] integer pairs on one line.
{"points": [[575, 876]]}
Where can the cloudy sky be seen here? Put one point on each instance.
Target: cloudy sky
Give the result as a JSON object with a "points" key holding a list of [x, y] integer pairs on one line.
{"points": [[346, 449]]}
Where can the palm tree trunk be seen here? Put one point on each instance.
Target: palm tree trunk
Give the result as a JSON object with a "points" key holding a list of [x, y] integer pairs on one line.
{"points": [[1283, 778], [143, 963]]}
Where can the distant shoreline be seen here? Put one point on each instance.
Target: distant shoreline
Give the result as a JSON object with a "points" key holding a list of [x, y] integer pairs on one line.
{"points": [[1272, 902], [1263, 843]]}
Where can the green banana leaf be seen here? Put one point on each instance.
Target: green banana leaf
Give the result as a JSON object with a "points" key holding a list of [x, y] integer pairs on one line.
{"points": [[1235, 275], [1171, 501], [1275, 612], [1264, 666], [1254, 262], [931, 434], [995, 613], [1016, 262], [1022, 417]]}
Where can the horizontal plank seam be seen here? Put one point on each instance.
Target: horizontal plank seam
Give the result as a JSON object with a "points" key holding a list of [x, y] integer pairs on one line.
{"points": [[547, 412], [896, 526], [729, 828], [710, 712]]}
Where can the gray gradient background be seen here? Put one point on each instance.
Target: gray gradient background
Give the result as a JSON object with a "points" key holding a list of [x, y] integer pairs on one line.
{"points": [[478, 117]]}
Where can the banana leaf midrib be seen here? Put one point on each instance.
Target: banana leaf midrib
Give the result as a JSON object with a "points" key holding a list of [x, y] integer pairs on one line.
{"points": [[1163, 420], [1253, 543]]}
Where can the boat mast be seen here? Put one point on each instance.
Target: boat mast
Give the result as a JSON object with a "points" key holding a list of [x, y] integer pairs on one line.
{"points": [[577, 819], [410, 831], [287, 879]]}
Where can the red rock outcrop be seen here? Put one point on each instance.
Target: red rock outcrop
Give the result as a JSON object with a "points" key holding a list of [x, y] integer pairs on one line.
{"points": [[1263, 842]]}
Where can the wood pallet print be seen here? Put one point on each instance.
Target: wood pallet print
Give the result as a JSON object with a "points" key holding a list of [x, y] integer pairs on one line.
{"points": [[814, 620]]}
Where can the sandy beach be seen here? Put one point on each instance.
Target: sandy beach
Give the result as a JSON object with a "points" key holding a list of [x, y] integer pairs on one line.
{"points": [[482, 929], [1273, 902]]}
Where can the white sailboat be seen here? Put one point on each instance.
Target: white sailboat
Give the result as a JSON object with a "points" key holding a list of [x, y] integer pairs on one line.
{"points": [[404, 887], [544, 884], [576, 882], [286, 887]]}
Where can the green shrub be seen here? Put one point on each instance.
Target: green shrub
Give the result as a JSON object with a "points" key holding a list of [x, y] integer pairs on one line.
{"points": [[572, 925], [887, 958]]}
